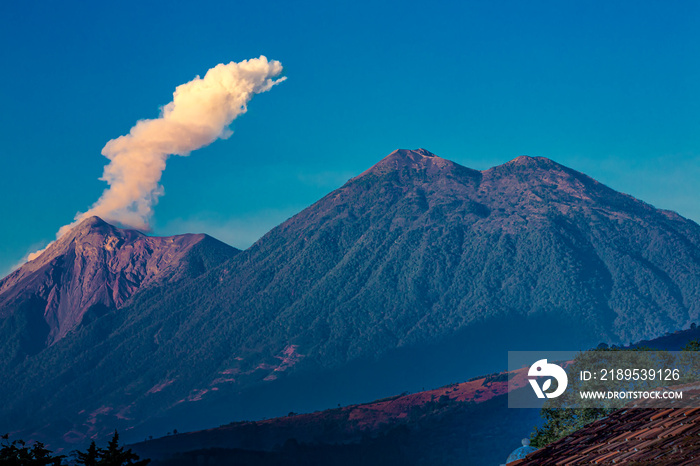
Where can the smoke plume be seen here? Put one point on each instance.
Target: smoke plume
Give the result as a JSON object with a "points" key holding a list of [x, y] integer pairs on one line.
{"points": [[199, 114]]}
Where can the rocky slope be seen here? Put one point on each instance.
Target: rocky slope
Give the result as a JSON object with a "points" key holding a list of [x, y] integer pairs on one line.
{"points": [[97, 267]]}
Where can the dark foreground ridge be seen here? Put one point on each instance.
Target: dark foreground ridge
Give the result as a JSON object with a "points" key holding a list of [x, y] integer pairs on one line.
{"points": [[462, 423]]}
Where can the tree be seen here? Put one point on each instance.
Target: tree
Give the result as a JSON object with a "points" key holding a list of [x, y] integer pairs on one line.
{"points": [[692, 345], [559, 423], [567, 414], [17, 453], [114, 455], [42, 456], [90, 457]]}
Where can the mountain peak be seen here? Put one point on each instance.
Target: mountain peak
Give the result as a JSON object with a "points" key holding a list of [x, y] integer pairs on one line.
{"points": [[91, 225], [93, 230], [411, 159], [528, 161], [91, 222], [411, 156], [412, 153]]}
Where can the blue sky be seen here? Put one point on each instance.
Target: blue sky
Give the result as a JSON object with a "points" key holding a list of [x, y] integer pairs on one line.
{"points": [[608, 88]]}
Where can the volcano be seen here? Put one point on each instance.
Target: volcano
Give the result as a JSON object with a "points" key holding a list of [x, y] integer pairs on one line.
{"points": [[95, 268], [418, 272]]}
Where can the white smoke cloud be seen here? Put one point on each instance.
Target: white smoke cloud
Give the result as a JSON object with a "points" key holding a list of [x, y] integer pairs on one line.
{"points": [[199, 114]]}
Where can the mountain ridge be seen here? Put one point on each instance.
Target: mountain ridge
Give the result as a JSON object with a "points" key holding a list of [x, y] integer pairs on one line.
{"points": [[415, 272]]}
